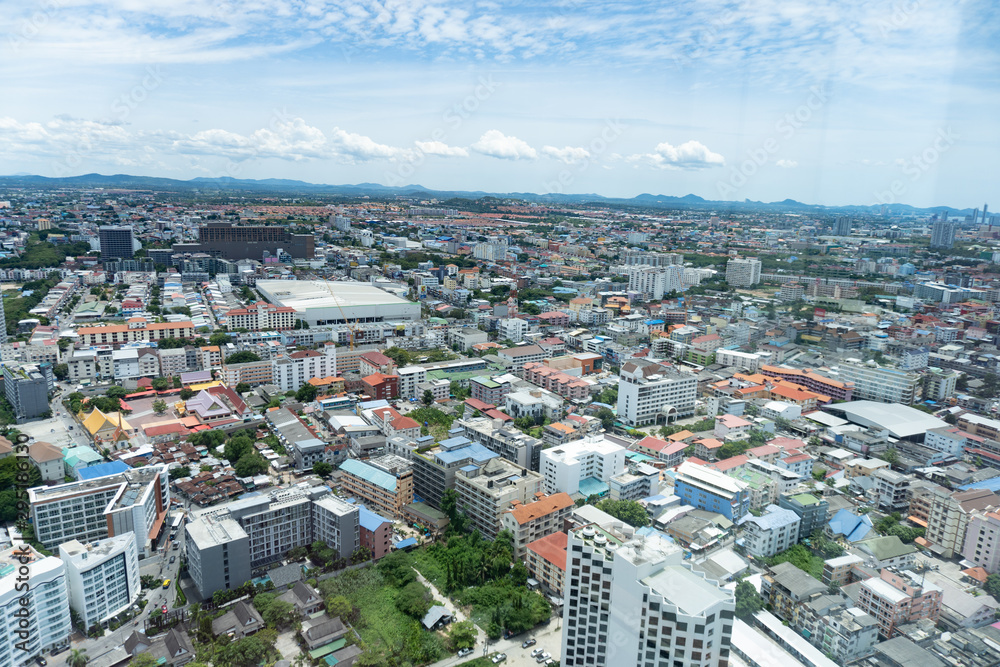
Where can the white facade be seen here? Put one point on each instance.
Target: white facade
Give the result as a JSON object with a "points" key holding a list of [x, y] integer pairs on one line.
{"points": [[46, 612], [777, 530], [641, 396], [409, 378], [103, 577], [748, 361], [564, 466], [653, 282], [636, 602], [512, 329], [95, 509], [293, 371], [743, 272]]}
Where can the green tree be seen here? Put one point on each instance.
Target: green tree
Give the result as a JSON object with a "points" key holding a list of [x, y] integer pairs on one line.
{"points": [[748, 601], [241, 358], [161, 383], [242, 388], [427, 398], [338, 605], [77, 657], [400, 356], [414, 599], [307, 393], [607, 418], [180, 472], [629, 511], [220, 338], [462, 635], [116, 392], [992, 585], [186, 394], [143, 660], [322, 468], [159, 406], [251, 465], [60, 371]]}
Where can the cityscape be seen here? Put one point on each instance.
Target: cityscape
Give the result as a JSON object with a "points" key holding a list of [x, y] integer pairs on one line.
{"points": [[427, 333], [244, 428]]}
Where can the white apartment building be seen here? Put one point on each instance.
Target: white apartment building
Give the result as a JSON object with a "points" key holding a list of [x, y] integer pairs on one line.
{"points": [[648, 391], [635, 601], [593, 458], [653, 282], [293, 371], [89, 510], [776, 530], [886, 385], [512, 329], [47, 609], [409, 378], [747, 361], [173, 361], [743, 272], [103, 577]]}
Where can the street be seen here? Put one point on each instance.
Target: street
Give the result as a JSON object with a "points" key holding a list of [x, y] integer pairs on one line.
{"points": [[549, 637], [157, 566]]}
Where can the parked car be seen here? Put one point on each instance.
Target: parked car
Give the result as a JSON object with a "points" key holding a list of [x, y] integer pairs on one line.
{"points": [[499, 657], [543, 657], [462, 652], [173, 559], [528, 642]]}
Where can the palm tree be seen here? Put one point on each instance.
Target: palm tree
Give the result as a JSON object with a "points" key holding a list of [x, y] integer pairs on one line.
{"points": [[77, 657]]}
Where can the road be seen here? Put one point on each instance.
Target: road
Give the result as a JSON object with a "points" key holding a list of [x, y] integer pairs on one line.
{"points": [[549, 638], [158, 566]]}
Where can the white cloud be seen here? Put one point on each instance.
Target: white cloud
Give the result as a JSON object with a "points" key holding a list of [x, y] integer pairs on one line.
{"points": [[441, 149], [787, 164], [567, 154], [284, 139], [496, 144], [353, 146], [689, 155]]}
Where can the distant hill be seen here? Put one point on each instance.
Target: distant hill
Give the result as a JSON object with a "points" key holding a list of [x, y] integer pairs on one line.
{"points": [[302, 188]]}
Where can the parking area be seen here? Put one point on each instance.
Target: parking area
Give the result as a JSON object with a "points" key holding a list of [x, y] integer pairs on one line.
{"points": [[51, 430], [547, 640]]}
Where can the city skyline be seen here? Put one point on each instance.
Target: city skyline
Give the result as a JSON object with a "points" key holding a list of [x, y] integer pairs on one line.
{"points": [[826, 104]]}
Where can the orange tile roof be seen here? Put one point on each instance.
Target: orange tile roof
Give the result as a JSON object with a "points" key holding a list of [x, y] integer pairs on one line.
{"points": [[552, 548], [542, 507]]}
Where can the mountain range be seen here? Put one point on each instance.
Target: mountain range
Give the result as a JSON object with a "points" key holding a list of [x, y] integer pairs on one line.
{"points": [[209, 186]]}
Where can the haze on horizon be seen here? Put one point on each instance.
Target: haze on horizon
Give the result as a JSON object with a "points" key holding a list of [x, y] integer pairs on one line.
{"points": [[824, 102]]}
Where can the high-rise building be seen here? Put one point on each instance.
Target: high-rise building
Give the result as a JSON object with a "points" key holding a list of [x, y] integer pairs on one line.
{"points": [[653, 282], [3, 329], [658, 259], [229, 241], [743, 272], [224, 545], [27, 389], [635, 601], [943, 234], [36, 583], [117, 242], [842, 226], [648, 391], [134, 501], [103, 577]]}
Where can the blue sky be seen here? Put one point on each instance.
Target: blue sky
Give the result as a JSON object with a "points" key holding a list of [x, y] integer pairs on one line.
{"points": [[824, 102]]}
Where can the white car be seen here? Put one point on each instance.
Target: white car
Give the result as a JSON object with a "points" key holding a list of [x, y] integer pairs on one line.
{"points": [[543, 657]]}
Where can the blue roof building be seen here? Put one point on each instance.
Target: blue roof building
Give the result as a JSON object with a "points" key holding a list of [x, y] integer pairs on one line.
{"points": [[852, 527]]}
